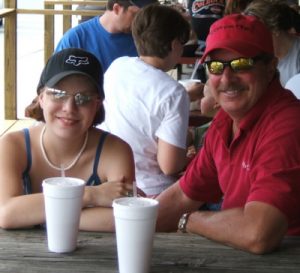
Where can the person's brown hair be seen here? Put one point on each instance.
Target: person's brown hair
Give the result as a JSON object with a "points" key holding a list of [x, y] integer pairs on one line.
{"points": [[155, 27], [276, 14], [235, 6]]}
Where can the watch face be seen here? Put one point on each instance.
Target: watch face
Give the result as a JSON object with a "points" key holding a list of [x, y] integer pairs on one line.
{"points": [[182, 222]]}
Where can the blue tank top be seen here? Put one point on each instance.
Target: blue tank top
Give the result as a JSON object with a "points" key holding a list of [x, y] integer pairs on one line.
{"points": [[92, 181]]}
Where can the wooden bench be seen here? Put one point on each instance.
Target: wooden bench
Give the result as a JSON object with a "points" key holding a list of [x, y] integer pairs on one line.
{"points": [[10, 125]]}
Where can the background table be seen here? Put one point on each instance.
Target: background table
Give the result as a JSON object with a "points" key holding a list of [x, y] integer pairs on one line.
{"points": [[10, 125], [26, 251]]}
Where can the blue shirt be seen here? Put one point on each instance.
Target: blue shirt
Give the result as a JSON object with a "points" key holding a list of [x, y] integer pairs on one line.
{"points": [[91, 36]]}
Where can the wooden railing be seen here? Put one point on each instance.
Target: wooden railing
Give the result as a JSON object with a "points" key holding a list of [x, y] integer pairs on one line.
{"points": [[10, 13]]}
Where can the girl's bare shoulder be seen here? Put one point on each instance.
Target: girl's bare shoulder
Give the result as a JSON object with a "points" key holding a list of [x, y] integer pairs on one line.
{"points": [[16, 140]]}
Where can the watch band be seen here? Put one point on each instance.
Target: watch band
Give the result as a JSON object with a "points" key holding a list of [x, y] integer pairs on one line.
{"points": [[183, 221]]}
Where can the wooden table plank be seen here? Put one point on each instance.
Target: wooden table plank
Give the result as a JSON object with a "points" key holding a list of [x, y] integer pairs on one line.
{"points": [[26, 251], [5, 125], [20, 124], [11, 125]]}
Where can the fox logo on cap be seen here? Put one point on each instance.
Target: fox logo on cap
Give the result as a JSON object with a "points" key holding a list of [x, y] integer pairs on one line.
{"points": [[76, 61]]}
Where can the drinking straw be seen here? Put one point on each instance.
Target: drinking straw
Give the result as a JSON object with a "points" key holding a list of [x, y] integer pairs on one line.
{"points": [[62, 170], [197, 63], [134, 188]]}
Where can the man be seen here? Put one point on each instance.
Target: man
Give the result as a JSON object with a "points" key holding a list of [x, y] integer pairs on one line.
{"points": [[251, 154], [108, 36], [144, 105]]}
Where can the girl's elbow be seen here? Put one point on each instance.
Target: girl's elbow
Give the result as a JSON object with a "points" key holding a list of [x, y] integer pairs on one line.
{"points": [[5, 220]]}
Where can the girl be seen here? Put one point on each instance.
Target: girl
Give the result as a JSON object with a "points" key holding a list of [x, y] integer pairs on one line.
{"points": [[65, 142]]}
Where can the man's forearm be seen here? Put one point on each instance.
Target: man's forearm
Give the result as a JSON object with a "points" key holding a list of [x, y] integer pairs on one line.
{"points": [[239, 229], [172, 204]]}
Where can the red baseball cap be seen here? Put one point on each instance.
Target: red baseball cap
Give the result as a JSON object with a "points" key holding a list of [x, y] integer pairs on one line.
{"points": [[243, 34]]}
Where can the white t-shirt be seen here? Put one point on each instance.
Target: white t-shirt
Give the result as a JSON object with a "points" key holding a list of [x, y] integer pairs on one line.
{"points": [[290, 64], [142, 104]]}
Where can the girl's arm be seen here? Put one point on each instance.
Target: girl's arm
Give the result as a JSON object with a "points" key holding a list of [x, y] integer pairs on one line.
{"points": [[16, 210], [117, 168]]}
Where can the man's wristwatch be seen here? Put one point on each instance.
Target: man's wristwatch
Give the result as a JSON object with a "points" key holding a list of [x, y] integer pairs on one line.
{"points": [[183, 221]]}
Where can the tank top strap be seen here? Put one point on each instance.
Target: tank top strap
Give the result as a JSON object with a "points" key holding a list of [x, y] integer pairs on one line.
{"points": [[94, 179], [25, 175]]}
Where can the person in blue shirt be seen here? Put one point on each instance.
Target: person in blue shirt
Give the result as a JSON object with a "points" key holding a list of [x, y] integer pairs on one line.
{"points": [[108, 36]]}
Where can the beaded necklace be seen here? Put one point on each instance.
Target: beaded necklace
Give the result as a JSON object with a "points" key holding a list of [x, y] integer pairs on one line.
{"points": [[72, 163]]}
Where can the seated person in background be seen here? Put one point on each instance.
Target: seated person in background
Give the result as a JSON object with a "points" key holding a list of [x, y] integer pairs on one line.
{"points": [[283, 22], [144, 105], [251, 151], [189, 49], [203, 14], [66, 141], [108, 36], [209, 108], [293, 84], [294, 4]]}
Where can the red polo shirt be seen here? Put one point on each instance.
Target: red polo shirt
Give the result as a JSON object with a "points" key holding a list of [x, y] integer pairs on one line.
{"points": [[262, 163]]}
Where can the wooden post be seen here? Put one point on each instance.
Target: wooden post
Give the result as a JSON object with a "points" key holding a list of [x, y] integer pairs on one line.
{"points": [[67, 19], [10, 13], [48, 33], [10, 61]]}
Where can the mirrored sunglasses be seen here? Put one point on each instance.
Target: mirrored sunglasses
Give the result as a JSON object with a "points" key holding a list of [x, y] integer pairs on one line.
{"points": [[237, 65], [62, 96]]}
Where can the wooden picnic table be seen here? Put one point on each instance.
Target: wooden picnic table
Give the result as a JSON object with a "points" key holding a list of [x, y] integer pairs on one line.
{"points": [[26, 251]]}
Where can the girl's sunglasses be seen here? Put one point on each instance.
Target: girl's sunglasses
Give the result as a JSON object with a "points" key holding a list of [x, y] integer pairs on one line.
{"points": [[61, 96]]}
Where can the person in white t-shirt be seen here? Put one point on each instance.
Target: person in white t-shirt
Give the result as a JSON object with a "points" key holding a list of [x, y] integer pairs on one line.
{"points": [[144, 105]]}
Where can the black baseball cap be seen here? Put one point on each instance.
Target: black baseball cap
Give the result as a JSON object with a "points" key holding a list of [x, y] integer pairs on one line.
{"points": [[68, 62], [143, 3]]}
